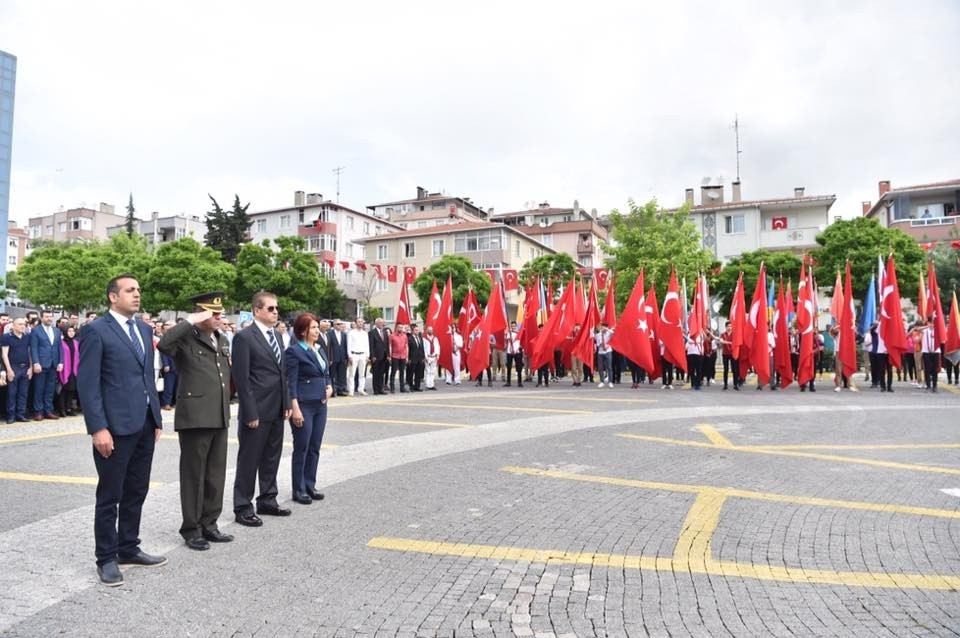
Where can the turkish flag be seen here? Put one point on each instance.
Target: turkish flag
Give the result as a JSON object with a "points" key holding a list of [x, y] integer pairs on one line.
{"points": [[510, 280], [558, 326], [330, 262], [378, 269], [610, 304], [403, 309], [781, 351], [492, 274], [392, 274], [409, 274], [759, 331], [601, 275], [531, 316], [469, 315], [494, 321], [433, 308], [935, 306], [632, 334], [806, 324], [671, 325], [738, 319], [955, 244], [652, 309], [951, 347], [778, 223], [928, 245], [847, 348], [441, 326], [582, 346], [345, 265], [892, 331], [361, 265]]}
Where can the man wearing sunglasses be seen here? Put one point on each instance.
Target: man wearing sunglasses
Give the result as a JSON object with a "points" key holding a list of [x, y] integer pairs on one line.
{"points": [[260, 379]]}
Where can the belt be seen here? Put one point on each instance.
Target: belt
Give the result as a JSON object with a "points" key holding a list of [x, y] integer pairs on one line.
{"points": [[358, 353]]}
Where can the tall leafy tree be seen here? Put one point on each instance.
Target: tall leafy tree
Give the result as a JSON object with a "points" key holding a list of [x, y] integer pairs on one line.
{"points": [[463, 276], [559, 266], [73, 276], [131, 223], [128, 254], [861, 240], [285, 269], [181, 269], [227, 231], [778, 264], [656, 239]]}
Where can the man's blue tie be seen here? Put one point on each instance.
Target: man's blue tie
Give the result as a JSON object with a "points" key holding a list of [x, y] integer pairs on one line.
{"points": [[274, 345], [135, 339]]}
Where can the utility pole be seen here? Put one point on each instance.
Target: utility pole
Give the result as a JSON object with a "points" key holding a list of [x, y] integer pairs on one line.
{"points": [[337, 171], [736, 132]]}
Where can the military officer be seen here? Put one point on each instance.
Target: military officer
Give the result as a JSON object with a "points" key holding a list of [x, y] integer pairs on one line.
{"points": [[202, 356]]}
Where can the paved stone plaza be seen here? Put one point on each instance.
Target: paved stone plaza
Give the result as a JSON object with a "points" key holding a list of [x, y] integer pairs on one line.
{"points": [[534, 512]]}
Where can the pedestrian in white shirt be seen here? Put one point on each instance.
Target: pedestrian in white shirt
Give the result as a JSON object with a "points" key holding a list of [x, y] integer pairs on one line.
{"points": [[431, 351], [358, 351], [453, 376], [604, 355]]}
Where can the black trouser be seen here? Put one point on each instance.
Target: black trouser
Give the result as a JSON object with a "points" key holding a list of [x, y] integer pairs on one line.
{"points": [[710, 366], [515, 360], [338, 374], [731, 366], [910, 367], [415, 374], [667, 371], [543, 375], [398, 365], [953, 371], [636, 372], [257, 458], [695, 366], [379, 371], [930, 361], [616, 366], [884, 370], [480, 376], [124, 479], [66, 400], [587, 373], [874, 370], [203, 467]]}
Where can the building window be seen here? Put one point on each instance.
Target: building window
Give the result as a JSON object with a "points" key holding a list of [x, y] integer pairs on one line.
{"points": [[377, 230], [438, 247], [313, 243], [35, 231], [381, 285], [479, 240], [366, 229], [326, 271], [181, 233], [422, 224], [50, 230], [587, 261], [12, 243], [63, 227], [733, 225], [300, 217], [349, 222], [517, 248], [381, 251], [261, 225], [12, 260], [348, 276], [409, 249], [284, 221], [387, 313], [348, 249], [547, 240], [568, 218]]}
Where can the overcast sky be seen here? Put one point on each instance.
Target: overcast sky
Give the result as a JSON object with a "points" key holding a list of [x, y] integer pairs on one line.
{"points": [[504, 102]]}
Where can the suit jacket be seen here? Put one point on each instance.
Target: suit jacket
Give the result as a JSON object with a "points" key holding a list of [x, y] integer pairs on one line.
{"points": [[260, 381], [415, 348], [338, 346], [379, 347], [114, 385], [203, 381], [323, 342], [42, 351], [306, 380]]}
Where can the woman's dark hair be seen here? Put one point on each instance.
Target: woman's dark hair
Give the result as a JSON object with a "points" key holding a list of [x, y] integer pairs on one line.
{"points": [[302, 324]]}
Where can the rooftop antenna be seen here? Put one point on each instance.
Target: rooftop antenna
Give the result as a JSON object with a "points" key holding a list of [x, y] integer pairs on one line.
{"points": [[736, 132], [337, 172]]}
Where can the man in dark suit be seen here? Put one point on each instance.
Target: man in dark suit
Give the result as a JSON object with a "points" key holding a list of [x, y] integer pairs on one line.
{"points": [[202, 356], [261, 381], [45, 354], [415, 358], [379, 355], [117, 387], [337, 338]]}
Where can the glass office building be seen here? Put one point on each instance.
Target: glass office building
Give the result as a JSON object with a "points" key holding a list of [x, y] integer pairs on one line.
{"points": [[8, 82]]}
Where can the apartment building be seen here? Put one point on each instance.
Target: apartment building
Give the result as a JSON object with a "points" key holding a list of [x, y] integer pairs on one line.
{"points": [[567, 230], [926, 212], [164, 229], [75, 224], [429, 209]]}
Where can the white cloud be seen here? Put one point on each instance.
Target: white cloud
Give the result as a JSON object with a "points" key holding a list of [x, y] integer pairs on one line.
{"points": [[501, 102]]}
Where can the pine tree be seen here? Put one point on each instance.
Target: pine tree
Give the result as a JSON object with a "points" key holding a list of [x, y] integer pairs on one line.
{"points": [[131, 226], [228, 230]]}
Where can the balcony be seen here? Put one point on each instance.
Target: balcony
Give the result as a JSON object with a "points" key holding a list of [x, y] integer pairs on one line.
{"points": [[789, 238], [932, 229], [585, 247]]}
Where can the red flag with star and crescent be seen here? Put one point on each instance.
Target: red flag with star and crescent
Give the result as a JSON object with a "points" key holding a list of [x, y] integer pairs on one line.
{"points": [[392, 274], [433, 308], [632, 334], [806, 324], [403, 307], [759, 333], [671, 325], [891, 330], [378, 270], [510, 280], [441, 326], [409, 274]]}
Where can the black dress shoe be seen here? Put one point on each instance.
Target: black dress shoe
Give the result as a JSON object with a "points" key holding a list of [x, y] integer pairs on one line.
{"points": [[216, 536], [9, 421], [273, 510], [303, 499], [22, 419], [109, 574], [315, 495], [142, 559], [198, 543], [249, 520]]}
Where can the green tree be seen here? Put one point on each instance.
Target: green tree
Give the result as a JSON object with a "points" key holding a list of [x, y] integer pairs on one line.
{"points": [[463, 276], [945, 258], [73, 276], [128, 254], [778, 264], [182, 269], [131, 223], [861, 240], [12, 280], [657, 240], [227, 231], [559, 267], [290, 273]]}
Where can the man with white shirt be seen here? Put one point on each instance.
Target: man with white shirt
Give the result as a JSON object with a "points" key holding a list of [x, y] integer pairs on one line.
{"points": [[604, 355], [514, 353], [431, 353], [358, 351], [453, 376], [45, 354], [930, 351]]}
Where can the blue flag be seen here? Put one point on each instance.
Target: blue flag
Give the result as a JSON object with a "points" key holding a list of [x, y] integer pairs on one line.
{"points": [[868, 313]]}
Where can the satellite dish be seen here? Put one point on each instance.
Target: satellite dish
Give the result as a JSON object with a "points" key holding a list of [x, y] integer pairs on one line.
{"points": [[705, 181], [712, 194]]}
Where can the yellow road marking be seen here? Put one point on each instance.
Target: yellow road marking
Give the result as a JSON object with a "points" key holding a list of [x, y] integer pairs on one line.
{"points": [[693, 548], [881, 446], [55, 478], [949, 388], [433, 424], [753, 449], [40, 437], [558, 397], [715, 437], [732, 492], [671, 565], [506, 408]]}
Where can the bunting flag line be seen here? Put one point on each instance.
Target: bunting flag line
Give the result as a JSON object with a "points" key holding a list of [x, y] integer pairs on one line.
{"points": [[378, 270], [392, 274], [409, 274]]}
